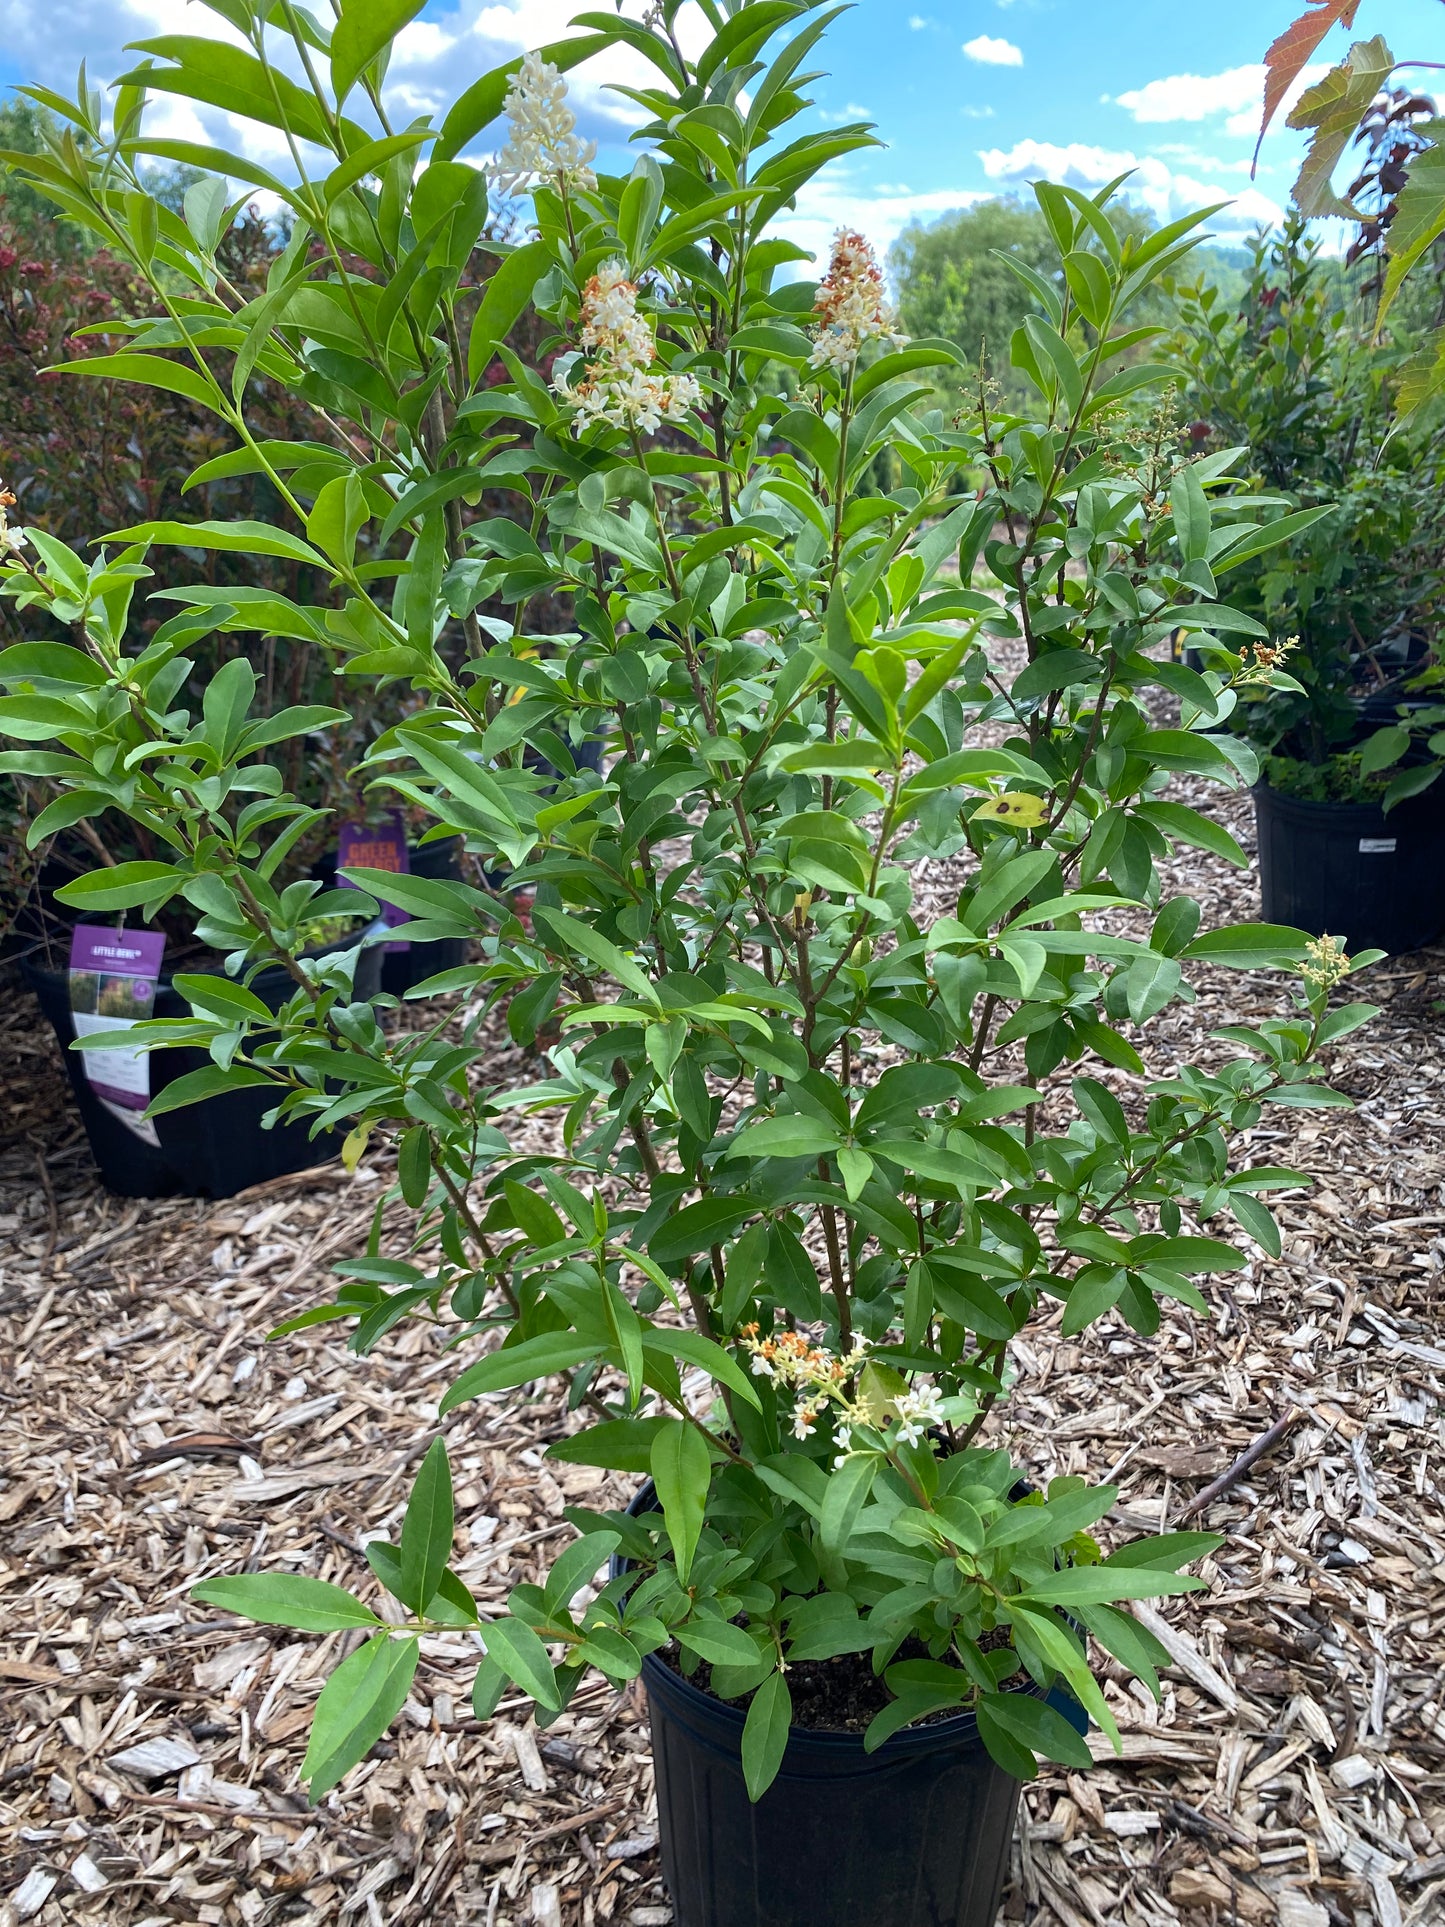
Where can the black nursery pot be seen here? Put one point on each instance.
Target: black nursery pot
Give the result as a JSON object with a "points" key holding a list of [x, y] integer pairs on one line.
{"points": [[208, 1150], [914, 1835], [1349, 870]]}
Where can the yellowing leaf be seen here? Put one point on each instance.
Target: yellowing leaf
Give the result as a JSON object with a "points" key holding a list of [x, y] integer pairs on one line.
{"points": [[1018, 810]]}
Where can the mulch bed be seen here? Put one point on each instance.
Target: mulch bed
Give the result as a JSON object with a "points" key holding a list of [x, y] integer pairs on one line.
{"points": [[149, 1748]]}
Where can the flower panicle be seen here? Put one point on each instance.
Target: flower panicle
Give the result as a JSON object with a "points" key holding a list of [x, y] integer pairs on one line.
{"points": [[618, 387], [1264, 658], [821, 1379], [542, 142], [1326, 964], [851, 305]]}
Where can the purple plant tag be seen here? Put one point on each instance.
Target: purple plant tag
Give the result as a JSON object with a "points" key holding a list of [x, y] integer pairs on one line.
{"points": [[381, 846], [113, 976]]}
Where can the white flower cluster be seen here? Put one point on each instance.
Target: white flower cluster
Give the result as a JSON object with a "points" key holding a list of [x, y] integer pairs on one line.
{"points": [[917, 1409], [850, 306], [12, 540], [618, 387], [542, 144]]}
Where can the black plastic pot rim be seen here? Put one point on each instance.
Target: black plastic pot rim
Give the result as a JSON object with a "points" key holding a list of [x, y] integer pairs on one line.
{"points": [[954, 1730], [957, 1729], [1331, 806]]}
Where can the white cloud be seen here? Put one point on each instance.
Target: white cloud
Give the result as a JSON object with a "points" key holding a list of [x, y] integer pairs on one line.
{"points": [[917, 22], [1196, 96], [976, 113], [1237, 92], [844, 116], [993, 51], [1153, 183]]}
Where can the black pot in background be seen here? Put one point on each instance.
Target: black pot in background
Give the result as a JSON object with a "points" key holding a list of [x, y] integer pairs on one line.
{"points": [[914, 1835], [212, 1149], [1349, 870]]}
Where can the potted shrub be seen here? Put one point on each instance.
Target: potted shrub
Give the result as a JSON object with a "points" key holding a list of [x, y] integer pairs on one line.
{"points": [[1292, 384], [826, 1145]]}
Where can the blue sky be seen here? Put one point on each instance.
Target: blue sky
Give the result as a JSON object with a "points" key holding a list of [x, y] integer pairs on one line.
{"points": [[973, 97]]}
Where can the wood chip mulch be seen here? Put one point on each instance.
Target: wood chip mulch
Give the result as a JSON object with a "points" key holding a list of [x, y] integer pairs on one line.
{"points": [[1294, 1774]]}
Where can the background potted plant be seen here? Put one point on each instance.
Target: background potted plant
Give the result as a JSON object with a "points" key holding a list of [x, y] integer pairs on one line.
{"points": [[1351, 825], [826, 1144]]}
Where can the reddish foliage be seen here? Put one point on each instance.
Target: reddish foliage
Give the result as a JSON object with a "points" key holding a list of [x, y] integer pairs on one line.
{"points": [[1290, 53]]}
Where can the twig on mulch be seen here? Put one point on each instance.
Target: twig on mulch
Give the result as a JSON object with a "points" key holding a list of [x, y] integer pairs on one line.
{"points": [[1246, 1461]]}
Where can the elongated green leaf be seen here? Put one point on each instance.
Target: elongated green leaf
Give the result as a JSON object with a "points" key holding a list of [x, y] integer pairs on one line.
{"points": [[249, 538], [765, 1734], [149, 371], [573, 934], [483, 101], [717, 1642], [1011, 1724], [426, 1534], [848, 1489], [506, 298], [519, 1364], [357, 1704], [522, 1656], [365, 29], [123, 886], [1250, 946], [286, 1599], [681, 1467], [209, 1081]]}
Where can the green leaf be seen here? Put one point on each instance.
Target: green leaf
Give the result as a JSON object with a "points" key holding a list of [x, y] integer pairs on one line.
{"points": [[533, 1215], [1420, 213], [426, 1534], [514, 1365], [147, 371], [483, 101], [337, 518], [1250, 946], [765, 1734], [209, 1081], [246, 538], [365, 29], [1194, 828], [617, 1445], [123, 886], [1102, 1585], [719, 1643], [827, 1626], [523, 1658], [793, 1136], [694, 1349], [1166, 1550], [358, 1703], [286, 1599], [1017, 1722], [699, 1226], [681, 1467], [848, 1489], [505, 300], [577, 1567], [572, 933], [1334, 108]]}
